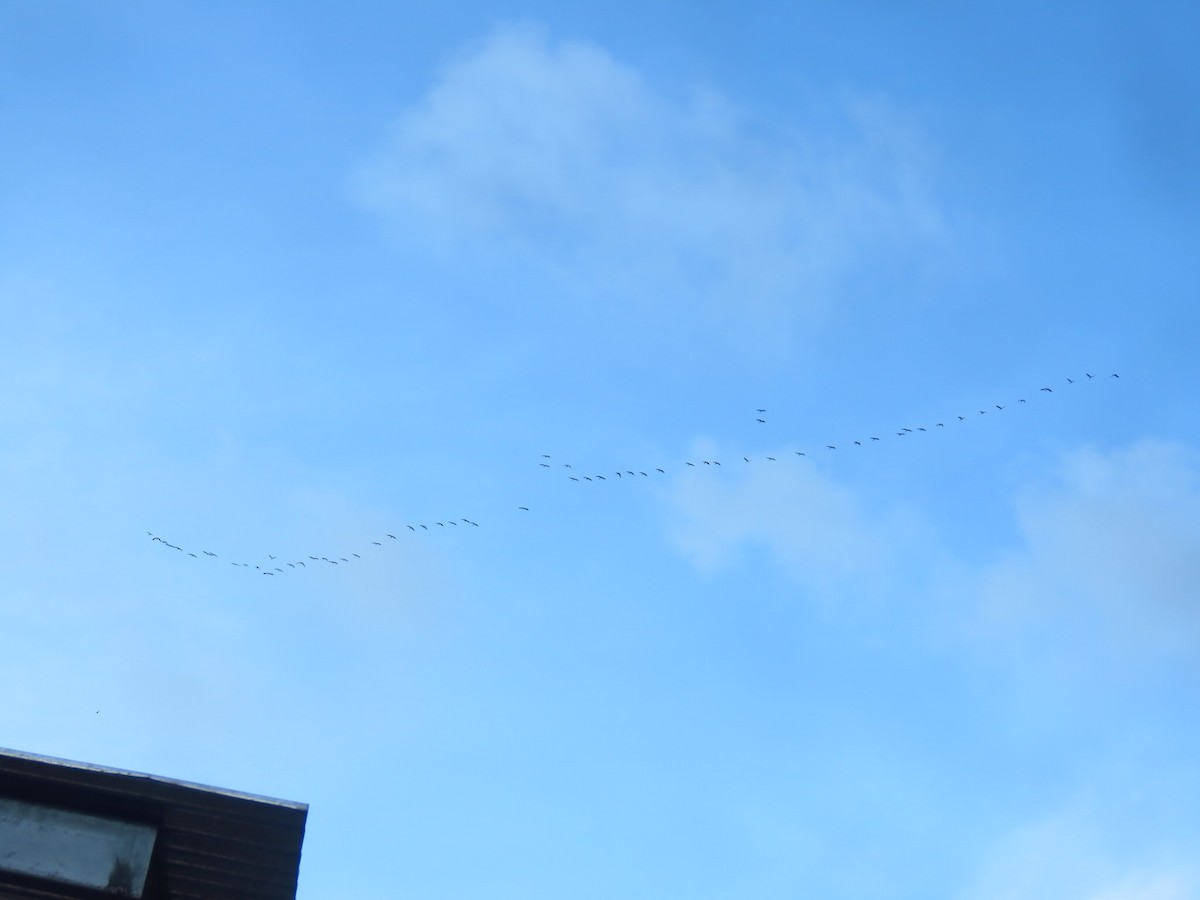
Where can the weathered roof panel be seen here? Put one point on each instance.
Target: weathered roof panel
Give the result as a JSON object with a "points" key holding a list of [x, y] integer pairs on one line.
{"points": [[212, 843]]}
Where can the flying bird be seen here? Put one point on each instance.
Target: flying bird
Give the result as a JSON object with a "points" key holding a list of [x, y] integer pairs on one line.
{"points": [[693, 465], [998, 406], [859, 443], [526, 508], [377, 544], [760, 410], [1048, 391], [762, 421], [874, 438], [1070, 381], [799, 452], [1089, 374], [393, 537], [1115, 375], [660, 471], [544, 465], [919, 428], [410, 528], [572, 477], [771, 458]]}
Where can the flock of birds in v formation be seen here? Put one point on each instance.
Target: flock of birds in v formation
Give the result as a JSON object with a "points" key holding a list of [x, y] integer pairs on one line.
{"points": [[274, 566]]}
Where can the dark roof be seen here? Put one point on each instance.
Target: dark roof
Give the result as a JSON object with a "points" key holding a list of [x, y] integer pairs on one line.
{"points": [[212, 843]]}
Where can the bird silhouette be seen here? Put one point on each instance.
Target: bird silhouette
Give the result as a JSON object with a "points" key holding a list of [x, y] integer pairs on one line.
{"points": [[410, 528], [1070, 381], [377, 544], [572, 477], [761, 421], [874, 438], [1089, 374], [392, 536], [859, 443], [831, 447], [998, 406], [771, 458], [1047, 390], [526, 508], [660, 471]]}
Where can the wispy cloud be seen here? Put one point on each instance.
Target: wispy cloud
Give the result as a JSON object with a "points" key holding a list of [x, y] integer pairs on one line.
{"points": [[1078, 853], [554, 152], [818, 531], [1110, 549], [1107, 549]]}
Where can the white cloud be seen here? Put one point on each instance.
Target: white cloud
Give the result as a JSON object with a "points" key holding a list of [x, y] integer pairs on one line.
{"points": [[1082, 853], [816, 530], [555, 152], [1109, 553], [1106, 560]]}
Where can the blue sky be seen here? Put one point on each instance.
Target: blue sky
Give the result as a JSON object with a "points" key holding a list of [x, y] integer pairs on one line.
{"points": [[281, 281]]}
